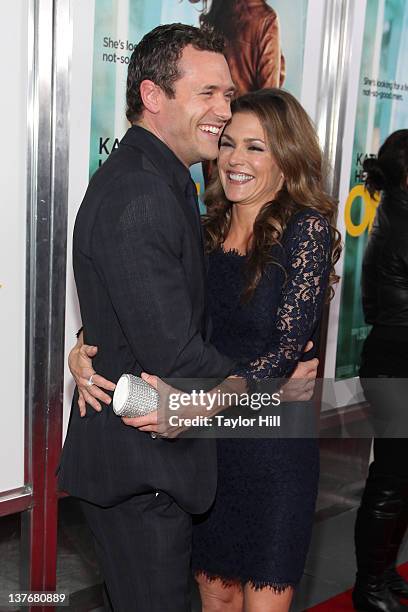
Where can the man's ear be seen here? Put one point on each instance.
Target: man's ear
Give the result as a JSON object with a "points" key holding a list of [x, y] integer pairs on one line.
{"points": [[151, 95]]}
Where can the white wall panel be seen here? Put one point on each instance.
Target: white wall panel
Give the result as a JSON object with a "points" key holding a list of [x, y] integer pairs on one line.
{"points": [[13, 118]]}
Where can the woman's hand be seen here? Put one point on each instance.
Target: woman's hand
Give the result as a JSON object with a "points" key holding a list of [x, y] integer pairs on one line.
{"points": [[80, 365], [183, 406], [156, 422]]}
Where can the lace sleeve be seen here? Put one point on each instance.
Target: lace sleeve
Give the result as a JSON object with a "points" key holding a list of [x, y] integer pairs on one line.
{"points": [[300, 305]]}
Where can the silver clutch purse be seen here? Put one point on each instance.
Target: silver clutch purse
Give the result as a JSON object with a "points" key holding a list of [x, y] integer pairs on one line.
{"points": [[134, 397]]}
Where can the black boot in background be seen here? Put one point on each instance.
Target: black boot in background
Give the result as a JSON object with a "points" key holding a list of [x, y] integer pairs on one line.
{"points": [[396, 583], [377, 520]]}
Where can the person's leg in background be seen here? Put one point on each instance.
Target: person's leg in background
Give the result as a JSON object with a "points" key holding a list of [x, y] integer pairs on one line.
{"points": [[144, 548], [382, 517], [393, 458], [380, 526]]}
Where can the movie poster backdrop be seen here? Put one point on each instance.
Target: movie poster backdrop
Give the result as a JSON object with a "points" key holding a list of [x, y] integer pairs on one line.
{"points": [[381, 108], [105, 32]]}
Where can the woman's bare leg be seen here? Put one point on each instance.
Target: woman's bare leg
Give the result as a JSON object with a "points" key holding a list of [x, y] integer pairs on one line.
{"points": [[218, 597], [267, 600]]}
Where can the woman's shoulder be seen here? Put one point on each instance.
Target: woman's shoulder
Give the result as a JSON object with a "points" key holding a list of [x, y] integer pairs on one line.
{"points": [[308, 221]]}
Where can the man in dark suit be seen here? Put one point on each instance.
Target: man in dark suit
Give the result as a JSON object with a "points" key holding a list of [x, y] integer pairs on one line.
{"points": [[140, 274]]}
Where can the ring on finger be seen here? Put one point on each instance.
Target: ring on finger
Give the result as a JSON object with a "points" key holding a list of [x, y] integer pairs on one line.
{"points": [[90, 381]]}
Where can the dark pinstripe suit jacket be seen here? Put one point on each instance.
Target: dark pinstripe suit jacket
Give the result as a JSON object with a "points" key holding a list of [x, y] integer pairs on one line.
{"points": [[140, 274]]}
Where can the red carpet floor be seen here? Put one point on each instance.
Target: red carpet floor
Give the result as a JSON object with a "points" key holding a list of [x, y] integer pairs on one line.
{"points": [[342, 602]]}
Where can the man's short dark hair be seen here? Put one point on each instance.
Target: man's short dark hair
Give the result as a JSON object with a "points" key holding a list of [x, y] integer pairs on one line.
{"points": [[157, 56]]}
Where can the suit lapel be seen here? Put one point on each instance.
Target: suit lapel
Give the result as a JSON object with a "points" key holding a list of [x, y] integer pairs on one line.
{"points": [[189, 210], [157, 158]]}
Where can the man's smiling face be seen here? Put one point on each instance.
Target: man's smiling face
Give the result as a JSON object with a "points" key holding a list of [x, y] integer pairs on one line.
{"points": [[191, 123]]}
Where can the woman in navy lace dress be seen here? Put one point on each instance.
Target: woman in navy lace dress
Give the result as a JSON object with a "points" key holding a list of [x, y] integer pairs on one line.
{"points": [[271, 244]]}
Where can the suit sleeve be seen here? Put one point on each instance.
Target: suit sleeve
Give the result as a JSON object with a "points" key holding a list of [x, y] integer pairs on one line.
{"points": [[138, 248]]}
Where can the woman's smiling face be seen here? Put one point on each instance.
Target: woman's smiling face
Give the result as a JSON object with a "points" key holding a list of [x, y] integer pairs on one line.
{"points": [[248, 171]]}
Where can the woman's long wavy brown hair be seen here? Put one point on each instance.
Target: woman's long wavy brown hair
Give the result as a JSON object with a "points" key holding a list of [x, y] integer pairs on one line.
{"points": [[294, 145]]}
